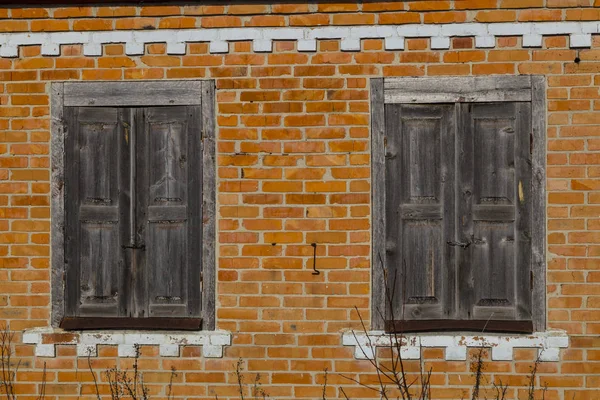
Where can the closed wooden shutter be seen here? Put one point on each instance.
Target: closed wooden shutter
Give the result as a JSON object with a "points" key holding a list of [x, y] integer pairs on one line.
{"points": [[95, 205], [419, 170], [169, 211], [494, 192]]}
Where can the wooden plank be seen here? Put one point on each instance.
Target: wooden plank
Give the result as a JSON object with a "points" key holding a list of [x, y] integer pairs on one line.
{"points": [[421, 180], [57, 201], [420, 211], [169, 163], [208, 204], [133, 94], [162, 323], [72, 224], [464, 197], [524, 209], [538, 196], [440, 325], [126, 183], [378, 255], [457, 89]]}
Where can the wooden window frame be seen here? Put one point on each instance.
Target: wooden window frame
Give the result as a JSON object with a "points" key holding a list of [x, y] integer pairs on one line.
{"points": [[459, 90], [132, 94]]}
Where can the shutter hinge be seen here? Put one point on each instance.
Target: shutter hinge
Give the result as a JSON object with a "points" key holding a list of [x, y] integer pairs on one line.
{"points": [[531, 280], [202, 135], [385, 141], [531, 143], [201, 281]]}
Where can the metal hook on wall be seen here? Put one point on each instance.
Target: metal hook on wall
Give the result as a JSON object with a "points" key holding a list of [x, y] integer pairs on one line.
{"points": [[315, 271]]}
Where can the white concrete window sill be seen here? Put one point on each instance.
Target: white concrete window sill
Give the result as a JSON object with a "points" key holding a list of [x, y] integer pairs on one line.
{"points": [[548, 344], [169, 343]]}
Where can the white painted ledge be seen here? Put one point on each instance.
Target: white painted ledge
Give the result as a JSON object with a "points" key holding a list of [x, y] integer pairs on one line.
{"points": [[548, 344], [169, 343], [262, 37]]}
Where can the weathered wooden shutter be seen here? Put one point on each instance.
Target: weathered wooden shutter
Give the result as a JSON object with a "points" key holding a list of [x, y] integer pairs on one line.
{"points": [[494, 211], [419, 170], [169, 211], [95, 199]]}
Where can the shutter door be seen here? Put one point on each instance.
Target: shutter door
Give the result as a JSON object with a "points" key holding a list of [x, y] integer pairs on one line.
{"points": [[495, 211], [169, 212], [94, 220], [419, 164]]}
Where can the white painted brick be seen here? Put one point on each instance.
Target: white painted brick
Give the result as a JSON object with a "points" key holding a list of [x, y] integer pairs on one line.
{"points": [[417, 30], [262, 46], [577, 41], [502, 353], [440, 42], [32, 337], [126, 350], [87, 350], [210, 351], [410, 352], [456, 353], [307, 45], [394, 43], [218, 46], [169, 350], [485, 42], [9, 51], [532, 40], [221, 339], [557, 341], [112, 37], [50, 49], [177, 39], [92, 49], [176, 48], [590, 27], [134, 49], [350, 44], [550, 354], [282, 33], [509, 28], [44, 350], [239, 33], [556, 28], [364, 352], [468, 29], [329, 32], [456, 345]]}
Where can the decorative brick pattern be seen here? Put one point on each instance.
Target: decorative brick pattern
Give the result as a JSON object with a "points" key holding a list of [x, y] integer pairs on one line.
{"points": [[262, 38], [455, 346], [294, 168], [46, 339]]}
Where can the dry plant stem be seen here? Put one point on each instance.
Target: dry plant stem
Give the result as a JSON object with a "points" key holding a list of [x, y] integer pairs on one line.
{"points": [[89, 361], [240, 378], [8, 375]]}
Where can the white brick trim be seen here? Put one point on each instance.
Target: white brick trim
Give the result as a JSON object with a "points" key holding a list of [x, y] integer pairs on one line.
{"points": [[548, 344], [169, 342], [485, 36]]}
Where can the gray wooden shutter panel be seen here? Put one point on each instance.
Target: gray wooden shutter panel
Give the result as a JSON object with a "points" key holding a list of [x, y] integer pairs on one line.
{"points": [[494, 211], [169, 159], [420, 210], [94, 203]]}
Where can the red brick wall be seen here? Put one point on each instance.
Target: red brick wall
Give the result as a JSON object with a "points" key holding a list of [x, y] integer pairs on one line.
{"points": [[294, 168]]}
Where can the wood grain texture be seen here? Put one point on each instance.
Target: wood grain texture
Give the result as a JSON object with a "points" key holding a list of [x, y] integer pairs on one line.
{"points": [[538, 195], [378, 282], [500, 237], [110, 199], [57, 205], [458, 89], [114, 94], [209, 163]]}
